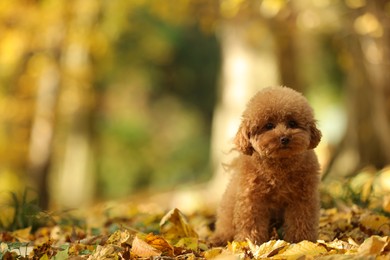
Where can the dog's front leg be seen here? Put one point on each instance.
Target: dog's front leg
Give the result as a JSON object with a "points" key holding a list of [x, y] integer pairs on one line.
{"points": [[251, 221], [301, 221]]}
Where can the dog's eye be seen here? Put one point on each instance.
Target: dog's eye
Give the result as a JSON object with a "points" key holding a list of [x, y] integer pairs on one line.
{"points": [[269, 126], [292, 124]]}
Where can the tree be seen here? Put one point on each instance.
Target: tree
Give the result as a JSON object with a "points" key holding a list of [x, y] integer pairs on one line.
{"points": [[366, 53]]}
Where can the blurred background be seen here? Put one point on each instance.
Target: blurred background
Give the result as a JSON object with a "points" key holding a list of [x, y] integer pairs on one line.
{"points": [[101, 99]]}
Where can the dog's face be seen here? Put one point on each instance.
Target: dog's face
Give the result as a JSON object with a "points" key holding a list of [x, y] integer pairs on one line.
{"points": [[277, 123]]}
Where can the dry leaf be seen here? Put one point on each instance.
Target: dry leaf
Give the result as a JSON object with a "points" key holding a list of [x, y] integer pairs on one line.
{"points": [[376, 223], [121, 236], [143, 249], [386, 203], [383, 180], [23, 235], [340, 247], [267, 249], [213, 252], [188, 243], [103, 252], [159, 243], [174, 226], [304, 248], [373, 246], [237, 247]]}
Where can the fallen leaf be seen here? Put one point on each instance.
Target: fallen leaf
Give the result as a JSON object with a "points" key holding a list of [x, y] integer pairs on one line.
{"points": [[304, 248], [23, 235], [103, 252], [64, 254], [267, 249], [174, 226], [376, 223], [143, 249], [78, 249], [159, 243], [338, 247], [373, 246], [44, 257], [386, 203], [213, 252], [188, 243], [238, 247], [121, 236], [3, 247], [362, 183], [44, 249]]}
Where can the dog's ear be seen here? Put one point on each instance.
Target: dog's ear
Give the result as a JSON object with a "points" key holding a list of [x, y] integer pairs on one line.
{"points": [[242, 141], [315, 136]]}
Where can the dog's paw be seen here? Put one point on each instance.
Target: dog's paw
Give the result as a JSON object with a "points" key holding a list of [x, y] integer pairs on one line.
{"points": [[255, 237]]}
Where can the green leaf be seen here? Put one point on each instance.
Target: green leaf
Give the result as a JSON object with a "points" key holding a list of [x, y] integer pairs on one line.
{"points": [[64, 254]]}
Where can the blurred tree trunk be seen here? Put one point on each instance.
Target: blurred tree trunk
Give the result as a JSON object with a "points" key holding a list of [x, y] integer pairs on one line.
{"points": [[41, 137], [247, 66], [72, 177], [285, 34], [367, 139]]}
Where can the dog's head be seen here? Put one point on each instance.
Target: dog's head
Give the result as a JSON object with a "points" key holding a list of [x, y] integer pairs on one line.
{"points": [[278, 122]]}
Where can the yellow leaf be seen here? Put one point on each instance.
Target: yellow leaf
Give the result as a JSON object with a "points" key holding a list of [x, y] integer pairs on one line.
{"points": [[213, 252], [174, 226], [376, 223], [159, 243], [188, 243], [237, 247], [121, 236], [339, 247], [44, 257], [104, 252], [363, 183], [3, 247], [339, 244], [143, 249], [304, 248], [373, 246], [23, 235], [386, 203], [267, 249]]}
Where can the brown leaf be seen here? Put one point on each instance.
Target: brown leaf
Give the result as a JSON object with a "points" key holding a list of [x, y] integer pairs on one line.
{"points": [[151, 245], [143, 249], [159, 243], [174, 226]]}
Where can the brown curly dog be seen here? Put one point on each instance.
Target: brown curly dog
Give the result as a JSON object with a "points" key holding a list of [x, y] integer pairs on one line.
{"points": [[276, 176]]}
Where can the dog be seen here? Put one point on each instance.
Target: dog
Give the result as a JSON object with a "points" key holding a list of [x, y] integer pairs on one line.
{"points": [[275, 177]]}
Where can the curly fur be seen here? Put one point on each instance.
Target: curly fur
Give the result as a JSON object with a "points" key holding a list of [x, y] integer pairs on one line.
{"points": [[276, 176]]}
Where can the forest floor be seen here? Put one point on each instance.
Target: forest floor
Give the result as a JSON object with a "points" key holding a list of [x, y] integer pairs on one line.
{"points": [[146, 229]]}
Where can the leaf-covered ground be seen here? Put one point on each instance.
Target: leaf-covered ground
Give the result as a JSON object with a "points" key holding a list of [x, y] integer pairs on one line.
{"points": [[143, 231]]}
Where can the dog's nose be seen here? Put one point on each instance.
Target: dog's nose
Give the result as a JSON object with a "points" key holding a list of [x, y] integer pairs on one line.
{"points": [[284, 140]]}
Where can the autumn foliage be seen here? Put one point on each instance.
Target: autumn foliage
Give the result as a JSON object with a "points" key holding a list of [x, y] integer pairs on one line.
{"points": [[128, 232]]}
